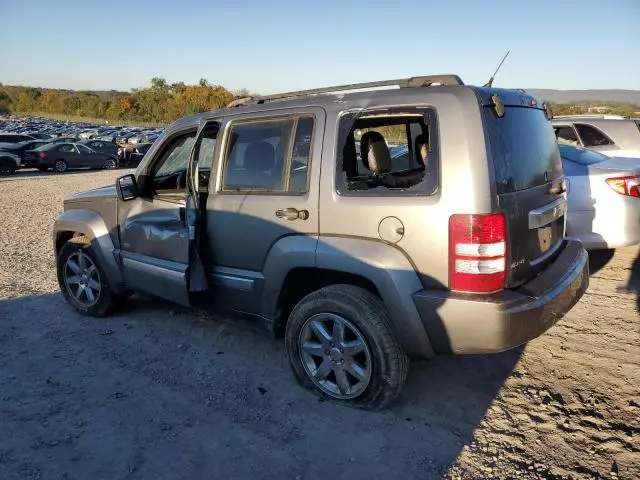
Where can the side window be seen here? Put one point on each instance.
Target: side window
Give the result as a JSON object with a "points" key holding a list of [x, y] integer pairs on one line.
{"points": [[173, 162], [207, 146], [301, 156], [66, 148], [84, 149], [268, 155], [566, 135], [591, 136], [388, 153]]}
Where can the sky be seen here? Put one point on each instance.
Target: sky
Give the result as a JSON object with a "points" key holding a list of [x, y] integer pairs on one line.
{"points": [[281, 45]]}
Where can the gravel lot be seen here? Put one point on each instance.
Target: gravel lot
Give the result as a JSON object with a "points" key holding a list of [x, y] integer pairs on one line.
{"points": [[159, 392]]}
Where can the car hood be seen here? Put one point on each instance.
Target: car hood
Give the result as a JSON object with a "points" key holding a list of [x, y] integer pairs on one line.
{"points": [[108, 191]]}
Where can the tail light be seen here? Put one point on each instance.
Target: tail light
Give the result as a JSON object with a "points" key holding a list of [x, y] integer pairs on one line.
{"points": [[629, 186], [41, 155], [477, 252]]}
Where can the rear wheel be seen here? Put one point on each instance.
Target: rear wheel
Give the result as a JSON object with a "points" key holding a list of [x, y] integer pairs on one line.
{"points": [[83, 281], [60, 166], [340, 345], [7, 167]]}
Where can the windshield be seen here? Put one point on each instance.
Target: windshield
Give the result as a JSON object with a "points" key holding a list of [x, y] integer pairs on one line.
{"points": [[581, 156]]}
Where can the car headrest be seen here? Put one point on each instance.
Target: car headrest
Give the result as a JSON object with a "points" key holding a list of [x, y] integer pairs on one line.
{"points": [[259, 157], [375, 153], [422, 149]]}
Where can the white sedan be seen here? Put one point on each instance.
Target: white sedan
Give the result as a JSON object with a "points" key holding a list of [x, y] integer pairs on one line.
{"points": [[603, 204]]}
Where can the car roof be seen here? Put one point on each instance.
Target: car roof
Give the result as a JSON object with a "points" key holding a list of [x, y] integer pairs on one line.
{"points": [[332, 102]]}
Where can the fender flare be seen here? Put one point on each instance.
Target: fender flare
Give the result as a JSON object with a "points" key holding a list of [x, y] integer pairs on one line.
{"points": [[384, 265], [91, 225]]}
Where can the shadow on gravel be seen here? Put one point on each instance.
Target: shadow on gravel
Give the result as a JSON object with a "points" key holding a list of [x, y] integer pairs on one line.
{"points": [[598, 259], [104, 398]]}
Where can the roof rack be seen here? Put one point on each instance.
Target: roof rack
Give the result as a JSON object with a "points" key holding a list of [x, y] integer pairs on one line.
{"points": [[412, 82]]}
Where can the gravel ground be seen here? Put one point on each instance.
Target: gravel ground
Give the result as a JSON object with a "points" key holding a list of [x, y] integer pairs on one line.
{"points": [[159, 392]]}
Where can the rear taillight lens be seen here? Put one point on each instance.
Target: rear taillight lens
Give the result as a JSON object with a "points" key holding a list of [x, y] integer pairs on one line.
{"points": [[629, 186], [477, 252], [41, 155]]}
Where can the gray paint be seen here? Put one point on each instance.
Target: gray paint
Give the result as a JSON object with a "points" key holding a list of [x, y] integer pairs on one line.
{"points": [[92, 225], [252, 249], [391, 273], [160, 277]]}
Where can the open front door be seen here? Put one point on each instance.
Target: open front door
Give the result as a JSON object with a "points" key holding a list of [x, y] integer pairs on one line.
{"points": [[159, 219]]}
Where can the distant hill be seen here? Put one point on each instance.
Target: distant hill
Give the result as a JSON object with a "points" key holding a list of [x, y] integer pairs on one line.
{"points": [[574, 96]]}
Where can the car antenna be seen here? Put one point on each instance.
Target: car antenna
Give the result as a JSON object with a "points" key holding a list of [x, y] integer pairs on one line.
{"points": [[490, 82]]}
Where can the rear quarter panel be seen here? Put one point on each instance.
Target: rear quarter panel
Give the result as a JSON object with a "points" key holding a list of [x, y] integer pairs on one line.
{"points": [[464, 186]]}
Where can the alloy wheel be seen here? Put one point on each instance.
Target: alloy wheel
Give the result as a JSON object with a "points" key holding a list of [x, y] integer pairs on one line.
{"points": [[335, 355], [82, 279], [110, 164]]}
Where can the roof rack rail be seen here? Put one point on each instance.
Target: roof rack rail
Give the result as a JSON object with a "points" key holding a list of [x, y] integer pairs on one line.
{"points": [[412, 82]]}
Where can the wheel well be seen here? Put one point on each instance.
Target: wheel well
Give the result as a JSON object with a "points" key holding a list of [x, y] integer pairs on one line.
{"points": [[300, 282], [64, 237]]}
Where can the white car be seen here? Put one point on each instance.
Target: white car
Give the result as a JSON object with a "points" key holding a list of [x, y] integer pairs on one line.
{"points": [[611, 135], [603, 203]]}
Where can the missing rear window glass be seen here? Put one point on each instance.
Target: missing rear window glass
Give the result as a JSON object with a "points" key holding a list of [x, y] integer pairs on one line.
{"points": [[393, 152]]}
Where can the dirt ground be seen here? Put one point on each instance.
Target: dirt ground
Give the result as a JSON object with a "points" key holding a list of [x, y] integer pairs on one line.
{"points": [[159, 392]]}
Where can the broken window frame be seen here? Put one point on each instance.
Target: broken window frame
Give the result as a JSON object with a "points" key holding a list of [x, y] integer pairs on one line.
{"points": [[430, 183]]}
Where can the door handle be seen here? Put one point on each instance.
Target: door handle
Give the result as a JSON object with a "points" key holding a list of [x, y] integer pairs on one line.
{"points": [[292, 214]]}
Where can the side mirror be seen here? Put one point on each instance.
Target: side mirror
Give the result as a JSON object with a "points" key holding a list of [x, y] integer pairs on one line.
{"points": [[127, 187]]}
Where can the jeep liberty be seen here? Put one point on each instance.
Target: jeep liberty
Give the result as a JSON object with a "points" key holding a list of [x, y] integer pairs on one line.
{"points": [[365, 227]]}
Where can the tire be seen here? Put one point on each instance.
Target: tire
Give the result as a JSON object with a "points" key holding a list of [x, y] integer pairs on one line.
{"points": [[105, 300], [60, 166], [110, 164], [355, 308], [7, 167]]}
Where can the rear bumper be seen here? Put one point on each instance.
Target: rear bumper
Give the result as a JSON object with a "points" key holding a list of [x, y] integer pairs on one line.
{"points": [[467, 324]]}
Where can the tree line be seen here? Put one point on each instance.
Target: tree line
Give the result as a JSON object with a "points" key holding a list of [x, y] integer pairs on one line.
{"points": [[582, 108], [161, 102]]}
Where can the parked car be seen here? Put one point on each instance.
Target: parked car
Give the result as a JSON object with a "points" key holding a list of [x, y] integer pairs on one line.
{"points": [[20, 148], [101, 146], [358, 264], [14, 137], [9, 163], [611, 135], [64, 139], [131, 155], [63, 156], [603, 208]]}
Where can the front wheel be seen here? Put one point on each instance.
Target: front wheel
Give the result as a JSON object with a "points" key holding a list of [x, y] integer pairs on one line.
{"points": [[83, 281], [340, 344], [110, 164], [60, 166]]}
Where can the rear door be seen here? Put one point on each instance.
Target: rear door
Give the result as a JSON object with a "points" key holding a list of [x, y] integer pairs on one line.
{"points": [[267, 189], [529, 183]]}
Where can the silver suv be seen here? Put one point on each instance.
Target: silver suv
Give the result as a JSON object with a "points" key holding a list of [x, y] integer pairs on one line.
{"points": [[611, 135], [292, 210]]}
